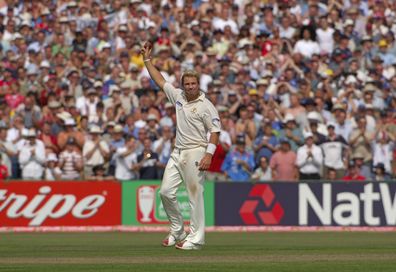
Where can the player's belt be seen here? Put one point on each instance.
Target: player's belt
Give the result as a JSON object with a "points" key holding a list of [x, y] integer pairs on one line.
{"points": [[179, 150]]}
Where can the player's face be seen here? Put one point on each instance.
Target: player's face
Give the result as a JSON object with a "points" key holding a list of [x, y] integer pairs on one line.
{"points": [[191, 88]]}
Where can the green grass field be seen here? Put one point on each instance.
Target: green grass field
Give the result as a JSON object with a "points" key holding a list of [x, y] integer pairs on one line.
{"points": [[319, 251]]}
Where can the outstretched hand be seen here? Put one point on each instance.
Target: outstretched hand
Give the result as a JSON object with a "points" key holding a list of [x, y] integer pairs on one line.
{"points": [[146, 50]]}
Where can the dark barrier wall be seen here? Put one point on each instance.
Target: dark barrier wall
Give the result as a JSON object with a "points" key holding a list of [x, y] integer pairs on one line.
{"points": [[305, 204]]}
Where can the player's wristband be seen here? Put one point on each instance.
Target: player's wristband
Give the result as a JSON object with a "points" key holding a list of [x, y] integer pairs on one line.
{"points": [[211, 148], [146, 60]]}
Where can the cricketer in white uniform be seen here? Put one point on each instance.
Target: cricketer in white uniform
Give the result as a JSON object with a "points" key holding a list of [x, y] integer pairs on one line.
{"points": [[192, 155]]}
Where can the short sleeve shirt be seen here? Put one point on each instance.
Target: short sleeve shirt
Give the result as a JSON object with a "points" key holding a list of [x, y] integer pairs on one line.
{"points": [[194, 119]]}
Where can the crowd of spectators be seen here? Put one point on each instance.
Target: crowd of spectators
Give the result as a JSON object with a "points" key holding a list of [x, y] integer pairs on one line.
{"points": [[304, 89]]}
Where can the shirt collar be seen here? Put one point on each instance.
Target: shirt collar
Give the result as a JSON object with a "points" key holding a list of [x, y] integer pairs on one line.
{"points": [[201, 97]]}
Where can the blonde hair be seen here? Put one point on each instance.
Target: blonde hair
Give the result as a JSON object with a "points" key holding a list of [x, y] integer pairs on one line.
{"points": [[190, 73]]}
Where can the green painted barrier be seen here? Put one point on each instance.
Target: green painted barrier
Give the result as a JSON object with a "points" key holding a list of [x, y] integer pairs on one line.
{"points": [[141, 203]]}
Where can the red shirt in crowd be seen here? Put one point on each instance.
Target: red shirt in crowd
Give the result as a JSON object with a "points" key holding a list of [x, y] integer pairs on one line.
{"points": [[354, 178], [3, 172], [14, 100]]}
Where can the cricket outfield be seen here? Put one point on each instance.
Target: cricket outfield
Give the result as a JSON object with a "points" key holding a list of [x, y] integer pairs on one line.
{"points": [[265, 251]]}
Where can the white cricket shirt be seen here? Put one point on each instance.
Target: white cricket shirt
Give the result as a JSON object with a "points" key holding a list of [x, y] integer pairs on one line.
{"points": [[194, 119]]}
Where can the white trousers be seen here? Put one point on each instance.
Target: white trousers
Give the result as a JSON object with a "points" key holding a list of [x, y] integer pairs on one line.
{"points": [[183, 166]]}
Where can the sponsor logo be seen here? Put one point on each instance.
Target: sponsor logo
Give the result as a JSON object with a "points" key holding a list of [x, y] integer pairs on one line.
{"points": [[149, 207], [368, 207], [251, 214], [29, 204]]}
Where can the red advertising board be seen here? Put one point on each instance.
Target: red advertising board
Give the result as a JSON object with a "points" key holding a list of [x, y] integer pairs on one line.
{"points": [[82, 203]]}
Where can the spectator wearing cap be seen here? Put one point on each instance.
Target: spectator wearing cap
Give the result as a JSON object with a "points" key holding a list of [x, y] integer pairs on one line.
{"points": [[379, 173], [117, 140], [314, 121], [353, 173], [291, 132], [309, 159], [129, 99], [282, 162], [70, 161], [383, 147], [52, 171], [335, 151], [95, 151], [343, 126], [239, 163], [365, 170], [87, 106], [32, 157], [263, 172], [126, 161], [388, 58], [148, 161], [372, 96], [361, 139], [50, 141], [7, 150], [152, 127]]}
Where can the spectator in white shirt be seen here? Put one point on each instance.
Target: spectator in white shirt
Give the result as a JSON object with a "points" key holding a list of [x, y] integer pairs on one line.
{"points": [[383, 150], [325, 36], [307, 46], [87, 104], [309, 159], [126, 161], [263, 172], [95, 151], [32, 157], [52, 171], [335, 150]]}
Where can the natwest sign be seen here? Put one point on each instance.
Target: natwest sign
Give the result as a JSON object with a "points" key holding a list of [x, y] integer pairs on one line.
{"points": [[372, 204], [60, 204], [306, 204]]}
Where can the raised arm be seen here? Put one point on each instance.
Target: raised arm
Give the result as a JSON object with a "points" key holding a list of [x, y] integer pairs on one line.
{"points": [[153, 71]]}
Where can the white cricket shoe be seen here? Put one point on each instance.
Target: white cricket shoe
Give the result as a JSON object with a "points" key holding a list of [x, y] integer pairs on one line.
{"points": [[187, 245], [172, 239]]}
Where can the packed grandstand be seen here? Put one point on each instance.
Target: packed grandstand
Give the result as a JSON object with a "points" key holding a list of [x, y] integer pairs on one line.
{"points": [[305, 90]]}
